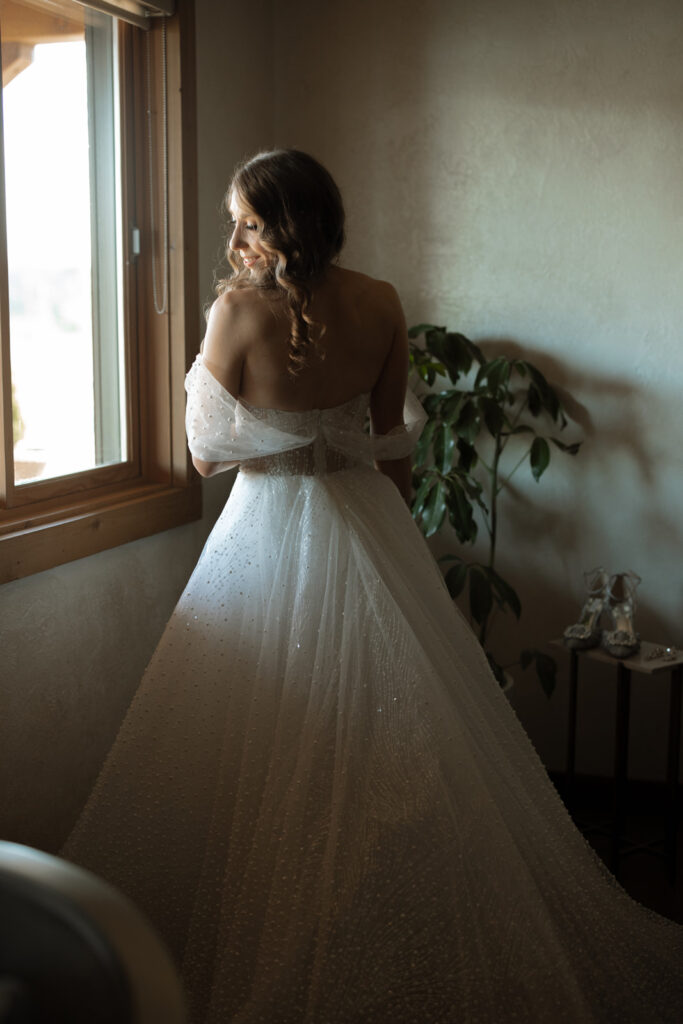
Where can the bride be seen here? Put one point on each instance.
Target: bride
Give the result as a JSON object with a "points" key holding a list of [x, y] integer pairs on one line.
{"points": [[319, 794]]}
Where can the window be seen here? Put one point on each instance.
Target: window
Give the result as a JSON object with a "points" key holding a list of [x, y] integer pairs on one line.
{"points": [[98, 291]]}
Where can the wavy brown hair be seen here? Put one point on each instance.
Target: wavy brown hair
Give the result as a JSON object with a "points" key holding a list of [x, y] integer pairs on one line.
{"points": [[302, 213]]}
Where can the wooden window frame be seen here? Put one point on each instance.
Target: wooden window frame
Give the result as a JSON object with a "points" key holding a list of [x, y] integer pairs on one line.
{"points": [[51, 522]]}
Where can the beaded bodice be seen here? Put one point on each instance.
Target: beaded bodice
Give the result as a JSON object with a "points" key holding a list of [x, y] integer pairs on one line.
{"points": [[319, 456]]}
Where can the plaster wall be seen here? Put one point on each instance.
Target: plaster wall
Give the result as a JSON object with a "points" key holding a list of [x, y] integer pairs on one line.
{"points": [[514, 169]]}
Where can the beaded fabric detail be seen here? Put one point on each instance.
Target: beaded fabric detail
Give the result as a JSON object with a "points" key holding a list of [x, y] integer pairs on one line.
{"points": [[319, 794]]}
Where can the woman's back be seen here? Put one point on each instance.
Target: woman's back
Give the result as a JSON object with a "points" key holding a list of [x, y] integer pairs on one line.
{"points": [[290, 329], [249, 329]]}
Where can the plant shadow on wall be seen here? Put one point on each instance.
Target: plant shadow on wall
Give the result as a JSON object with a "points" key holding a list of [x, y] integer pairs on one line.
{"points": [[624, 489], [497, 416]]}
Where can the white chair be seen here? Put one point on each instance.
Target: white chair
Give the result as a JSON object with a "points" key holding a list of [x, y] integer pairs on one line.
{"points": [[74, 950]]}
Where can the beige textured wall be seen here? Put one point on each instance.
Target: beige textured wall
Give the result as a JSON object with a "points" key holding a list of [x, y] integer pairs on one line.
{"points": [[235, 110], [75, 641], [514, 168]]}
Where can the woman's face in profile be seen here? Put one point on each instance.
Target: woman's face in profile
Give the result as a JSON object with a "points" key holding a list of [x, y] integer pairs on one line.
{"points": [[246, 235]]}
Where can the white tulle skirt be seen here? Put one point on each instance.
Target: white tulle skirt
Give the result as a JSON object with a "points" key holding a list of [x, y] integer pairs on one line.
{"points": [[330, 812]]}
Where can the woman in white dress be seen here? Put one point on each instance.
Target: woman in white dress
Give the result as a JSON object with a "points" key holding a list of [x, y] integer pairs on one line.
{"points": [[319, 794]]}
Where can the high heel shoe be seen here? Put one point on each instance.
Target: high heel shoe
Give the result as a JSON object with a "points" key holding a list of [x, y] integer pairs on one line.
{"points": [[587, 632], [621, 640]]}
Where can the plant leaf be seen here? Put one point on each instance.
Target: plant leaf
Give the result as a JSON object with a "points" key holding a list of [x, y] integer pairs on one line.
{"points": [[434, 509], [498, 670], [467, 455], [481, 597], [424, 444], [494, 417], [460, 510], [546, 668], [448, 448], [444, 447], [432, 403], [570, 449], [455, 579], [424, 365], [506, 596], [454, 350], [539, 456], [467, 424], [421, 495], [547, 396], [451, 406], [533, 400], [473, 489], [417, 507], [496, 373], [414, 332], [423, 361]]}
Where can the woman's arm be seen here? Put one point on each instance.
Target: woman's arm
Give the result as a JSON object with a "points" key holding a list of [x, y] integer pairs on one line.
{"points": [[207, 469], [223, 356], [388, 396]]}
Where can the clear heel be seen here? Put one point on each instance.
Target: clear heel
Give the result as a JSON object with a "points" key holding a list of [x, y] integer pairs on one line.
{"points": [[587, 631], [621, 639]]}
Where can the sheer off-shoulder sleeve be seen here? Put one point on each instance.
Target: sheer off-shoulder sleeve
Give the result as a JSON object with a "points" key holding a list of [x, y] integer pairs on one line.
{"points": [[400, 441], [221, 429]]}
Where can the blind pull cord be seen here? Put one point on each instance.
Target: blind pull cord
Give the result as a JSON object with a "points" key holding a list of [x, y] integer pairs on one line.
{"points": [[160, 307]]}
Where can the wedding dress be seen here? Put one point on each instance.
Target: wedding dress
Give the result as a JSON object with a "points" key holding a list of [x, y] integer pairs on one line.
{"points": [[319, 794]]}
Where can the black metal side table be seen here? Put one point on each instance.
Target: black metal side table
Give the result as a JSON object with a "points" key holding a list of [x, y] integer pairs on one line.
{"points": [[651, 660]]}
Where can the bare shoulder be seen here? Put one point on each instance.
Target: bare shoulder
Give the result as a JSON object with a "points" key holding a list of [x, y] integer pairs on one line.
{"points": [[235, 320], [238, 318], [364, 285], [387, 298], [375, 295], [237, 309]]}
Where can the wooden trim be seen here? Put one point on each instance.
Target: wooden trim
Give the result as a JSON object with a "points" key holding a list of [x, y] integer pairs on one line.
{"points": [[7, 436], [132, 171], [51, 510], [160, 489], [140, 512], [153, 328], [184, 214], [65, 486]]}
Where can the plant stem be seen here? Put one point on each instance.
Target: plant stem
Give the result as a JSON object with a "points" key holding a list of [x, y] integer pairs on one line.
{"points": [[493, 527], [513, 423], [514, 470], [494, 501]]}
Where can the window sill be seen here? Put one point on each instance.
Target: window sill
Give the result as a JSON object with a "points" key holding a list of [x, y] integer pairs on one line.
{"points": [[52, 536]]}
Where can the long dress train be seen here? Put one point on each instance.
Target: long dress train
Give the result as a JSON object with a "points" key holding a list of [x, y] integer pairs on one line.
{"points": [[319, 794]]}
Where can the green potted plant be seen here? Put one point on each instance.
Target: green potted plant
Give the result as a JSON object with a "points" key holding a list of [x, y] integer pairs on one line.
{"points": [[489, 422]]}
